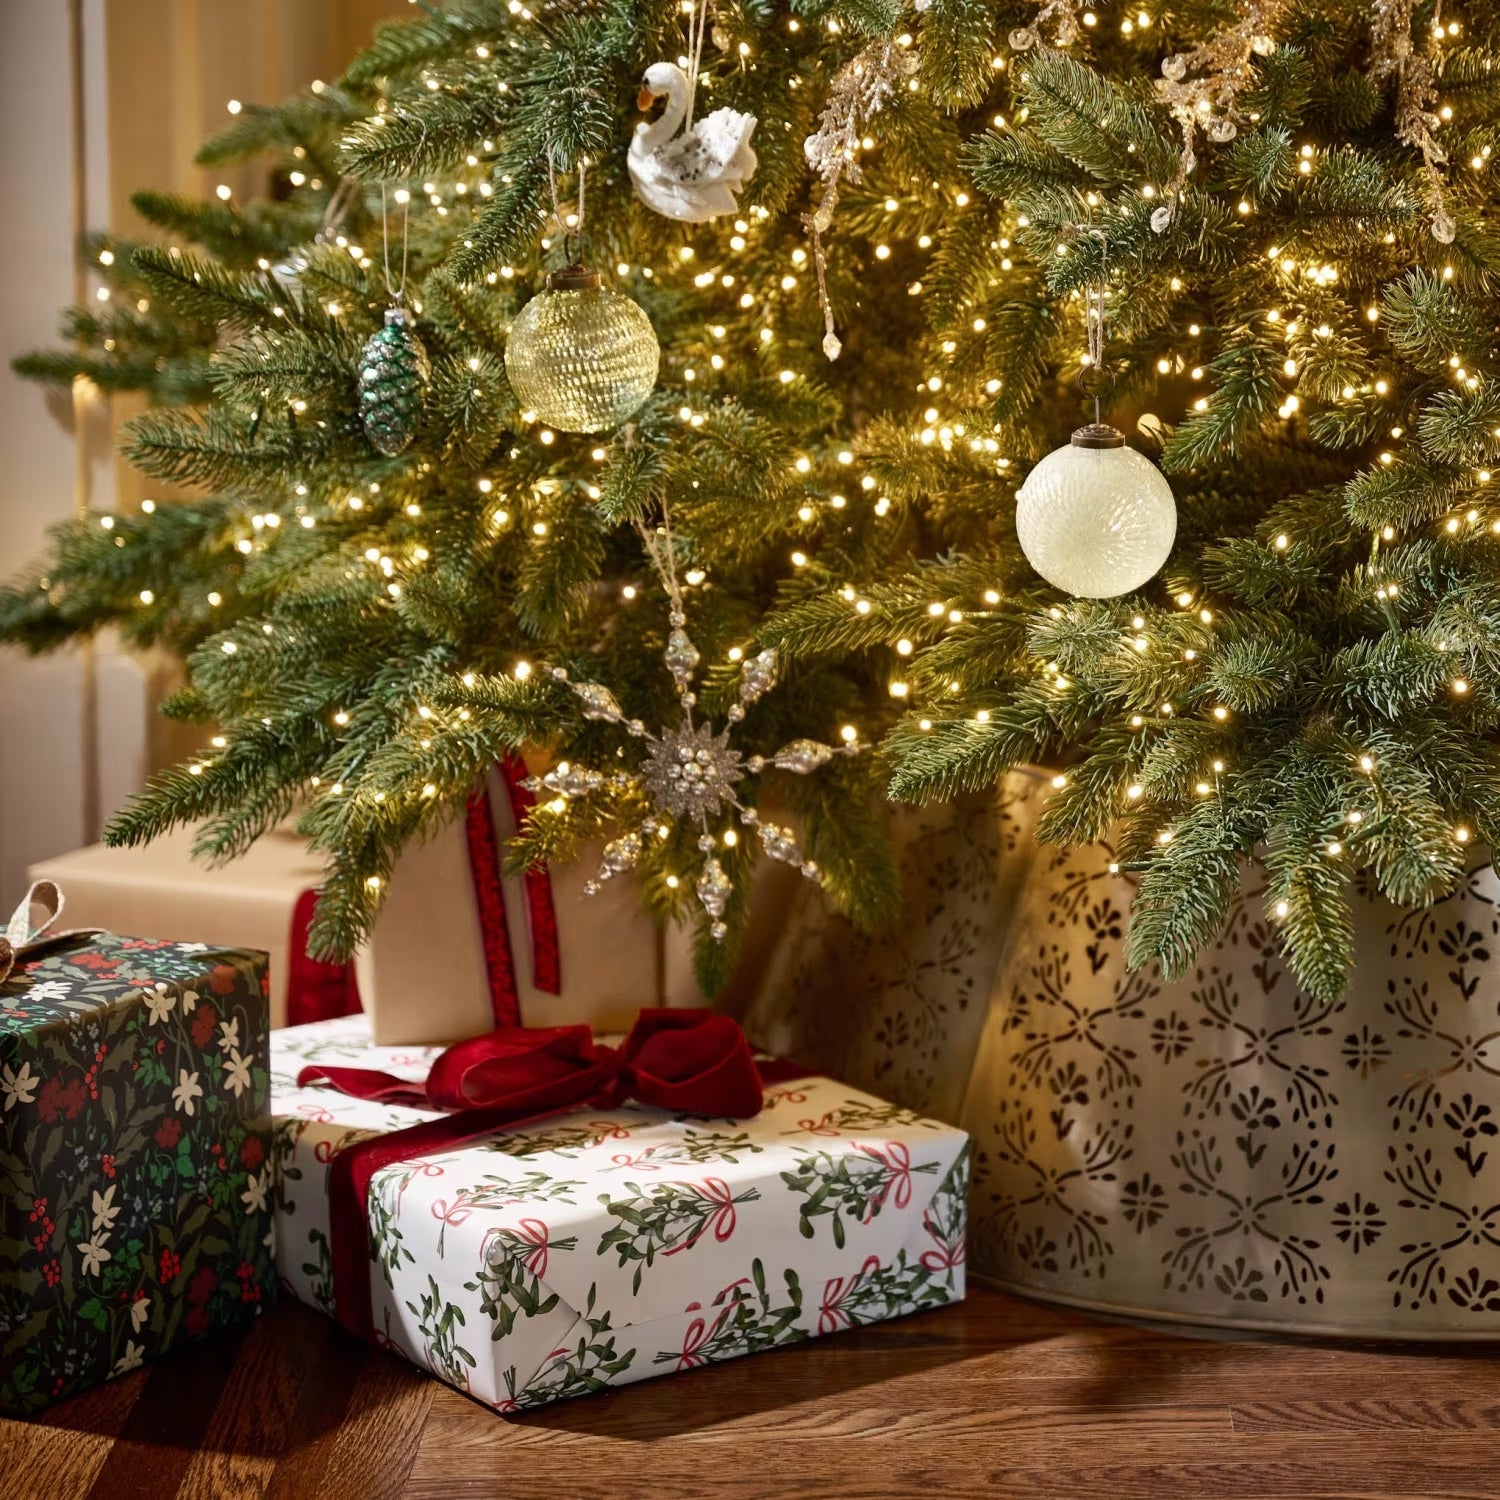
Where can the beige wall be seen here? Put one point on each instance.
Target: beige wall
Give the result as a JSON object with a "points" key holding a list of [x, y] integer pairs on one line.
{"points": [[156, 77], [41, 781], [173, 66]]}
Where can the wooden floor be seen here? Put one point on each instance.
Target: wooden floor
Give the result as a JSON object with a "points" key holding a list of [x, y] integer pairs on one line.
{"points": [[994, 1399]]}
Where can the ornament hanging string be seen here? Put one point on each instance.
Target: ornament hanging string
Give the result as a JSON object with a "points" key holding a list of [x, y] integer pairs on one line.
{"points": [[1096, 321], [397, 292], [697, 27], [660, 551], [1096, 379], [339, 203], [574, 256]]}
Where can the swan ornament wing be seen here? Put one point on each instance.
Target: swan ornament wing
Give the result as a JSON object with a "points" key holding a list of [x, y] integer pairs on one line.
{"points": [[695, 176], [713, 150], [688, 205]]}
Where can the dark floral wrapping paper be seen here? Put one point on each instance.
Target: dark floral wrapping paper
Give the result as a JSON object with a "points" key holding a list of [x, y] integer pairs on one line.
{"points": [[134, 1174]]}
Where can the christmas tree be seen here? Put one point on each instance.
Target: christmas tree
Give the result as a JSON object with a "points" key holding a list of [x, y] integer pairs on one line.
{"points": [[1257, 235]]}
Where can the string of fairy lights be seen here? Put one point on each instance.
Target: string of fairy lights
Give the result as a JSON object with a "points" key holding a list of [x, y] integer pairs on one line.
{"points": [[1313, 295]]}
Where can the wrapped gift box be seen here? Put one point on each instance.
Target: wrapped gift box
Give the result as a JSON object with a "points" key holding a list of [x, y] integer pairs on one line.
{"points": [[134, 1157], [159, 888], [425, 973], [604, 1246]]}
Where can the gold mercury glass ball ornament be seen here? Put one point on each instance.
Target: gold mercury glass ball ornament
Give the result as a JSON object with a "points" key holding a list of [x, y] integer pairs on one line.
{"points": [[581, 356], [1096, 518]]}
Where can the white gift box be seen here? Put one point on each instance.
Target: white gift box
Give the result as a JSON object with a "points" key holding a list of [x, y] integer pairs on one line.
{"points": [[603, 1246]]}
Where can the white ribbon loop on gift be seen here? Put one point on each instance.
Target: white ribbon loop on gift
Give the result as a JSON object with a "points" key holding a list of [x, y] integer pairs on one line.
{"points": [[30, 925]]}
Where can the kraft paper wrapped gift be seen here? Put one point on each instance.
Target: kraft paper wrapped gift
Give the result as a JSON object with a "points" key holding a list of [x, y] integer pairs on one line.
{"points": [[450, 922], [427, 974], [603, 1246], [135, 1168], [160, 890]]}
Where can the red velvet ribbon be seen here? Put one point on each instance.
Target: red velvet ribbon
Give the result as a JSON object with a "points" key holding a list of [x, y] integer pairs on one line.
{"points": [[489, 900], [686, 1061], [316, 990]]}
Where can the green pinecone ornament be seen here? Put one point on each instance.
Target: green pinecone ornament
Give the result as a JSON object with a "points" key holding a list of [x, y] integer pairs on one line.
{"points": [[392, 383]]}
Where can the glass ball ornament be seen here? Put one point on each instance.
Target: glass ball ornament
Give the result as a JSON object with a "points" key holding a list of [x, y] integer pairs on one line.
{"points": [[1096, 518], [581, 356]]}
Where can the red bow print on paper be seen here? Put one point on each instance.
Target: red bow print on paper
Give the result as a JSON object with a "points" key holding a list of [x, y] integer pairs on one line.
{"points": [[836, 1291], [896, 1159]]}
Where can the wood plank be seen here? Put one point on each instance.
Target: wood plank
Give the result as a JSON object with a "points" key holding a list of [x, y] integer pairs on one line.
{"points": [[996, 1399], [1063, 1467], [167, 1422], [59, 1454], [327, 1397], [1014, 1401], [1095, 1369], [371, 1454], [1384, 1413], [452, 1428], [258, 1411]]}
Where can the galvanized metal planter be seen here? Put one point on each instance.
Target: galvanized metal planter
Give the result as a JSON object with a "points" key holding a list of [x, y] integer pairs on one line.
{"points": [[1226, 1150], [1223, 1150], [898, 1012]]}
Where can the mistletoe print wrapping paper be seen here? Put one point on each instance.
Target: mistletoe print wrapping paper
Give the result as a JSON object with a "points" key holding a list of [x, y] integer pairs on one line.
{"points": [[134, 1164], [605, 1246]]}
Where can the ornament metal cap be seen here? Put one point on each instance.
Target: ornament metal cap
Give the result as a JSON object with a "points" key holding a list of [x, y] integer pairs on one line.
{"points": [[574, 278], [395, 317], [1098, 435]]}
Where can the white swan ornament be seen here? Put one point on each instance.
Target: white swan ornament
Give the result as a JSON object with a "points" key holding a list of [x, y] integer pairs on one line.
{"points": [[692, 175]]}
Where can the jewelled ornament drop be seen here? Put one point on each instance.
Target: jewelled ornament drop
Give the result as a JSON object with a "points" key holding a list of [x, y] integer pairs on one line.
{"points": [[581, 356], [1096, 518]]}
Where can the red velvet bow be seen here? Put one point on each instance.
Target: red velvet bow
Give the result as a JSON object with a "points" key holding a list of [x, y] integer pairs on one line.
{"points": [[688, 1061]]}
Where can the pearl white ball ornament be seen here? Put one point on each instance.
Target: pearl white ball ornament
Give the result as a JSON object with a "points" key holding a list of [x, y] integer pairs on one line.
{"points": [[1096, 518], [581, 356]]}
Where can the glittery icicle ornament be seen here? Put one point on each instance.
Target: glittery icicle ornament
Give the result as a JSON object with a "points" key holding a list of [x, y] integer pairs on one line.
{"points": [[392, 384], [860, 90], [581, 356]]}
